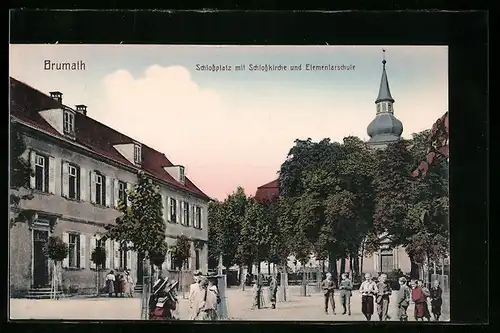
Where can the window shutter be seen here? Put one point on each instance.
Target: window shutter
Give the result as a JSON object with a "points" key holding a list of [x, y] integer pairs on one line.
{"points": [[108, 192], [83, 253], [201, 226], [109, 253], [129, 189], [65, 179], [376, 259], [93, 244], [164, 205], [65, 239], [116, 247], [92, 186], [52, 175], [169, 209], [183, 216], [32, 163], [83, 184], [116, 189], [178, 211]]}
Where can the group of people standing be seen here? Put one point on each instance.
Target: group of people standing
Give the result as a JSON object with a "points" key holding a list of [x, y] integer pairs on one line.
{"points": [[380, 293], [203, 297], [119, 285], [257, 291]]}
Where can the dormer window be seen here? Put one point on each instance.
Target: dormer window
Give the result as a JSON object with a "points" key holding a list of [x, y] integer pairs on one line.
{"points": [[137, 154], [69, 122], [182, 177]]}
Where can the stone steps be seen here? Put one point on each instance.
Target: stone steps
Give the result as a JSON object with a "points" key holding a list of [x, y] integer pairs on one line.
{"points": [[42, 293]]}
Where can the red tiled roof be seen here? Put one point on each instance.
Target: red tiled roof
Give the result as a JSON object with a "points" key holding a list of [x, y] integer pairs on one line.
{"points": [[26, 102], [268, 192]]}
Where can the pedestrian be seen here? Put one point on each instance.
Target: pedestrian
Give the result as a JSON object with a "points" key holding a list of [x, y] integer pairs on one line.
{"points": [[345, 293], [163, 300], [368, 289], [117, 284], [128, 285], [328, 286], [403, 299], [383, 295], [193, 288], [110, 283], [436, 294], [273, 289], [255, 295], [205, 302], [419, 297]]}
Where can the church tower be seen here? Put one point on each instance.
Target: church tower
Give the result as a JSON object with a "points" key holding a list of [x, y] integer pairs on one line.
{"points": [[385, 128]]}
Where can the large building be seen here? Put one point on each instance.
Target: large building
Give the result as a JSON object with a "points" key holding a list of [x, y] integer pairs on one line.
{"points": [[81, 169], [383, 130]]}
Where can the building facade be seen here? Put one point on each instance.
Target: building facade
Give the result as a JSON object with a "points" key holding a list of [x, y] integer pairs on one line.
{"points": [[81, 170]]}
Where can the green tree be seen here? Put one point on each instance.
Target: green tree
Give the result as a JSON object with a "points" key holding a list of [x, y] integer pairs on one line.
{"points": [[98, 257], [232, 216], [20, 174], [56, 250], [141, 223], [215, 232]]}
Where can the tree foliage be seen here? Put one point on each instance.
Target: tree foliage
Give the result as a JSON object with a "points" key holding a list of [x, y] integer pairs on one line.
{"points": [[141, 223], [20, 174], [215, 231], [181, 251], [56, 249], [98, 256]]}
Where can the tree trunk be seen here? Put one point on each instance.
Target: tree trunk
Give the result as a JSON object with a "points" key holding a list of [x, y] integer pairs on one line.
{"points": [[303, 289], [351, 265], [241, 278], [361, 259], [268, 268], [323, 266], [356, 268], [414, 271], [342, 265]]}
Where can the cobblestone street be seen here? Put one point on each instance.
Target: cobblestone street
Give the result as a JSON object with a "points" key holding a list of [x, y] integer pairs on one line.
{"points": [[239, 305]]}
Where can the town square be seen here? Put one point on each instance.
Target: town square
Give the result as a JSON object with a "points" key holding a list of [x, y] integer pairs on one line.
{"points": [[147, 189]]}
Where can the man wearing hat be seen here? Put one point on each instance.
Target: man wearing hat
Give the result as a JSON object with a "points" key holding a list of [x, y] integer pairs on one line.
{"points": [[205, 302], [193, 288], [403, 299], [328, 286]]}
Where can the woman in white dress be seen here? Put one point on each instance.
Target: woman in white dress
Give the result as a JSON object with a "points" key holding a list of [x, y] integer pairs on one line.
{"points": [[128, 285]]}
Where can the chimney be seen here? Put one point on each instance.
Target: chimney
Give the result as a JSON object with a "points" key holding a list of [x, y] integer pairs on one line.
{"points": [[81, 109], [57, 95]]}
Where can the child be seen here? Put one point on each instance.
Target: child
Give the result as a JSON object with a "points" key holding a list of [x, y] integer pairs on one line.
{"points": [[436, 294], [403, 299]]}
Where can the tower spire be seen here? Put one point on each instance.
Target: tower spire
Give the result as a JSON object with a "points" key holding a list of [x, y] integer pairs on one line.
{"points": [[384, 93]]}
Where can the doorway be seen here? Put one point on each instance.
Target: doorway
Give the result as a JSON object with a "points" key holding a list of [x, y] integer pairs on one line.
{"points": [[40, 261], [140, 268]]}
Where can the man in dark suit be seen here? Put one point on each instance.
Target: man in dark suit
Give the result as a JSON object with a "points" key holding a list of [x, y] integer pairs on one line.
{"points": [[328, 286]]}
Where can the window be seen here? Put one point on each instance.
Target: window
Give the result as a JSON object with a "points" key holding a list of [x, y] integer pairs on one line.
{"points": [[123, 256], [41, 173], [74, 251], [386, 262], [69, 122], [384, 107], [100, 190], [197, 217], [389, 107], [122, 192], [197, 259], [74, 182], [172, 263], [137, 154], [173, 210], [378, 108], [186, 213], [100, 243], [182, 177]]}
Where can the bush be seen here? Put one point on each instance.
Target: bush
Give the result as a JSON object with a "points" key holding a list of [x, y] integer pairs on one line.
{"points": [[56, 249], [393, 278]]}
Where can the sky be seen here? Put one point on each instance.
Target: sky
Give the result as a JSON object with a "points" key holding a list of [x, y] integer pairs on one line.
{"points": [[235, 128]]}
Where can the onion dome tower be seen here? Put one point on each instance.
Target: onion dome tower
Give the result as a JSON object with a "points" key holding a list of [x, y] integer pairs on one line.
{"points": [[385, 128]]}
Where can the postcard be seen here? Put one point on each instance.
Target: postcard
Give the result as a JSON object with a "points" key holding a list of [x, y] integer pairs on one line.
{"points": [[183, 182]]}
